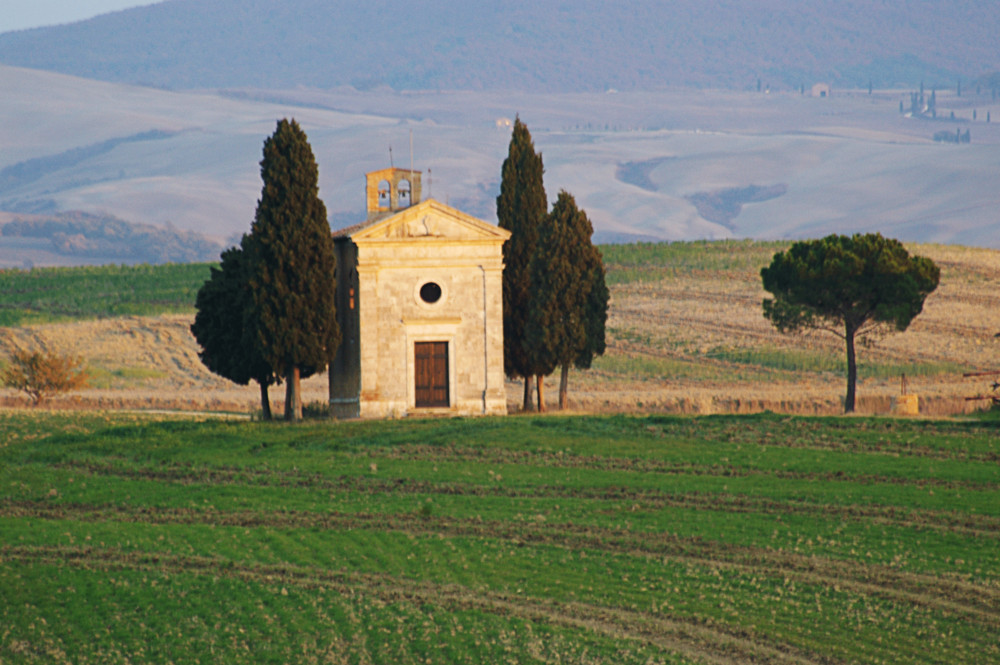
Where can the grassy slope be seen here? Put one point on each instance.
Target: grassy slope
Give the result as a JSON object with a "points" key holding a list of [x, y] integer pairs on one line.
{"points": [[68, 294], [691, 310], [598, 540], [89, 292]]}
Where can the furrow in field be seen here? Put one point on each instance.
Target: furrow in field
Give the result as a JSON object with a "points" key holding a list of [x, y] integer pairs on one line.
{"points": [[978, 525], [689, 322], [977, 602], [537, 458], [718, 645]]}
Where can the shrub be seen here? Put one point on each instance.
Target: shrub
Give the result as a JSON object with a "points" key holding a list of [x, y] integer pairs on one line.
{"points": [[42, 374], [318, 410]]}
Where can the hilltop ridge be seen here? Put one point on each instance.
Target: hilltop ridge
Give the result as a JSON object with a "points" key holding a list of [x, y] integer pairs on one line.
{"points": [[537, 46]]}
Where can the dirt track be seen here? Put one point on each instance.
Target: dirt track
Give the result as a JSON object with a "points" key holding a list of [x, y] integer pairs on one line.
{"points": [[152, 362]]}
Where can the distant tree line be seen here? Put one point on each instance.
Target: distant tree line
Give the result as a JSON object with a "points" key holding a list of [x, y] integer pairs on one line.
{"points": [[31, 170], [957, 136]]}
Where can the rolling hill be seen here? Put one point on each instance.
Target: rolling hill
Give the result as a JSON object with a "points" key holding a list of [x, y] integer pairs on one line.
{"points": [[547, 46], [671, 165]]}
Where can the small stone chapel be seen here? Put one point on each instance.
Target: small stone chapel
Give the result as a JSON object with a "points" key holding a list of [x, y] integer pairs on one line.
{"points": [[420, 307]]}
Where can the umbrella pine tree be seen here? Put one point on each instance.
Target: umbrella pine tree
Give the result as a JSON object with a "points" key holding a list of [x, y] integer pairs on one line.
{"points": [[851, 286]]}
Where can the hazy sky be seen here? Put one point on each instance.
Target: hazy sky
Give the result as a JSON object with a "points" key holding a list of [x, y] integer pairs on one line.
{"points": [[21, 14]]}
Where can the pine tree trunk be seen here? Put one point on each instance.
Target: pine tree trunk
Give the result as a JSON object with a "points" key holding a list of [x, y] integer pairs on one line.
{"points": [[564, 387], [852, 370], [527, 405], [265, 402], [293, 396], [541, 394]]}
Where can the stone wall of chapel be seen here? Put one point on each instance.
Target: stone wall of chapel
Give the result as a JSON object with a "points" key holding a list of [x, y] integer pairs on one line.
{"points": [[393, 259], [403, 318], [468, 316]]}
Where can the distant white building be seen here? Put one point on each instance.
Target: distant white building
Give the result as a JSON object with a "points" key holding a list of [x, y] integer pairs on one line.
{"points": [[821, 90]]}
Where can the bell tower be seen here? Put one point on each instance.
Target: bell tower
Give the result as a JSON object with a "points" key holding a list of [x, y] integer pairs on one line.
{"points": [[391, 190]]}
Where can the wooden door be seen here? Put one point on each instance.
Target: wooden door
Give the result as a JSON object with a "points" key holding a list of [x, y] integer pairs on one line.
{"points": [[431, 369]]}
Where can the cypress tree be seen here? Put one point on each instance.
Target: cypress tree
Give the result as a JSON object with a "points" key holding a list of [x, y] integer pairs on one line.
{"points": [[563, 323], [292, 264], [225, 327], [595, 314], [521, 206]]}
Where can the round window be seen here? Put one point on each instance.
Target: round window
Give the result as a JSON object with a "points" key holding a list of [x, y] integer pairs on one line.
{"points": [[430, 293]]}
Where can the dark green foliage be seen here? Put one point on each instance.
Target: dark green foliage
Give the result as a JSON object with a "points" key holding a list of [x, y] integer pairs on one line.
{"points": [[521, 207], [292, 263], [555, 331], [225, 326], [849, 285], [564, 327], [595, 314]]}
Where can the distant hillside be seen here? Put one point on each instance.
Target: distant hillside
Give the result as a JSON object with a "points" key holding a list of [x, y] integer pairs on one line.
{"points": [[546, 45], [83, 238], [670, 165]]}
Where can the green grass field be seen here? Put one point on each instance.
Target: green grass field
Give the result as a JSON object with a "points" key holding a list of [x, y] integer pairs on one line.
{"points": [[43, 295], [654, 261], [760, 539]]}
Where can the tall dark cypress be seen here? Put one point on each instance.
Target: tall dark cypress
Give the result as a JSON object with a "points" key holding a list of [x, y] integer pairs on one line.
{"points": [[596, 314], [225, 326], [560, 321], [595, 319], [292, 264], [521, 207]]}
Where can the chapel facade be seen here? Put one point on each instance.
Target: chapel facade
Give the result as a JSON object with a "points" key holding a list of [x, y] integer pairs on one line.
{"points": [[420, 307]]}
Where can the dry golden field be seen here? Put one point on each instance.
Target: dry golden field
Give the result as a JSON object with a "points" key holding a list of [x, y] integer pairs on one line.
{"points": [[685, 334]]}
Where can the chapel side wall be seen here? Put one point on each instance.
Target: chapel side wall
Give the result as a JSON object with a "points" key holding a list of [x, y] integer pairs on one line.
{"points": [[345, 385]]}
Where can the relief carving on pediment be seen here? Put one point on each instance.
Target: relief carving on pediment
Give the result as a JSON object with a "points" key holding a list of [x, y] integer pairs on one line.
{"points": [[425, 226]]}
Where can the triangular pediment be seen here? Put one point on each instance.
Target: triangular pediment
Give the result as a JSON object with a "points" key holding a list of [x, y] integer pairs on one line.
{"points": [[428, 220]]}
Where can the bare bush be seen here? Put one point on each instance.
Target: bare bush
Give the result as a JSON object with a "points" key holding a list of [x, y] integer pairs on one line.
{"points": [[42, 374]]}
